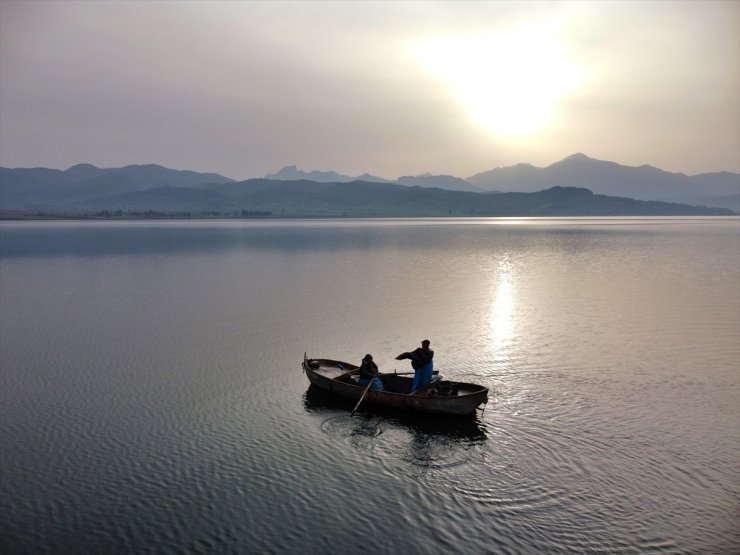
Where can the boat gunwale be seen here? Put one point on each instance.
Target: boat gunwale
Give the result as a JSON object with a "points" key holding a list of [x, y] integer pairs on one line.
{"points": [[457, 405]]}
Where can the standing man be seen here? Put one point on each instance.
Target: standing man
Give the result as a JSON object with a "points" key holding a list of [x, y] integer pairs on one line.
{"points": [[421, 360]]}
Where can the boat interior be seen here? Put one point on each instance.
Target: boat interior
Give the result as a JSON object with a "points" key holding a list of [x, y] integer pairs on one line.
{"points": [[393, 383]]}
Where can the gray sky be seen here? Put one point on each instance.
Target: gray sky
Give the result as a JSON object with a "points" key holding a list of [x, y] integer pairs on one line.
{"points": [[389, 88]]}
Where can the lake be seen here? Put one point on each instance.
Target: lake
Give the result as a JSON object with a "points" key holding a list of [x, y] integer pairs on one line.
{"points": [[153, 398]]}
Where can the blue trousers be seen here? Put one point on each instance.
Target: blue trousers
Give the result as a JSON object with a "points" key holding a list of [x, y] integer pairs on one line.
{"points": [[377, 384], [422, 376]]}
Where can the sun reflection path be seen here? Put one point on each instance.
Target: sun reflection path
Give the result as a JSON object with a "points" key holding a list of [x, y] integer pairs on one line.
{"points": [[501, 316]]}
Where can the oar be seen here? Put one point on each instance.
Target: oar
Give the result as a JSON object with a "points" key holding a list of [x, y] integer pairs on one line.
{"points": [[363, 396], [371, 383]]}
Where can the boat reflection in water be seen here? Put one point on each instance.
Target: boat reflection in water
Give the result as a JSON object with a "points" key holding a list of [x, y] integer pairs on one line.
{"points": [[419, 442]]}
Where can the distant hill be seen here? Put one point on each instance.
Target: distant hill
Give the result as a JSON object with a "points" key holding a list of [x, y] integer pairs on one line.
{"points": [[86, 189], [42, 187], [362, 199], [303, 198], [721, 189], [448, 182], [292, 173]]}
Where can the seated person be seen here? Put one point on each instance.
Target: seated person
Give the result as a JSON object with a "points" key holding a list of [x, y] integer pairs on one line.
{"points": [[369, 373]]}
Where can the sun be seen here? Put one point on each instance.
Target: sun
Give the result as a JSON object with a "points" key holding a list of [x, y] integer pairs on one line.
{"points": [[509, 83]]}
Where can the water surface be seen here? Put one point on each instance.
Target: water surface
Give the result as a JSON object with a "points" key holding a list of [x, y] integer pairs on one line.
{"points": [[152, 397]]}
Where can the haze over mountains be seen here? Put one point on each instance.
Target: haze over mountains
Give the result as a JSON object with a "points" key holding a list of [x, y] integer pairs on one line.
{"points": [[448, 182], [719, 189], [502, 191]]}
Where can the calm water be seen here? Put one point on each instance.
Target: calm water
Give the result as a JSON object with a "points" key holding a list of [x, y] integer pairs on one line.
{"points": [[152, 398]]}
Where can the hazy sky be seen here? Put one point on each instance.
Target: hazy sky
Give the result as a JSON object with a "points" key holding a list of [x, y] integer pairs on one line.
{"points": [[389, 88]]}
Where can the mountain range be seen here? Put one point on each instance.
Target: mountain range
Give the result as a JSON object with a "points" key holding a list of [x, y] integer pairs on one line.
{"points": [[718, 189], [449, 182], [577, 185], [721, 189]]}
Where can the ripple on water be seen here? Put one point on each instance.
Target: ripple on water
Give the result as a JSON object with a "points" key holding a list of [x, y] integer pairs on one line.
{"points": [[348, 428], [398, 446]]}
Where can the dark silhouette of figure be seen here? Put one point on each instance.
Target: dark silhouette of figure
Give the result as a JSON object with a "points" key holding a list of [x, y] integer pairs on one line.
{"points": [[368, 372], [421, 361]]}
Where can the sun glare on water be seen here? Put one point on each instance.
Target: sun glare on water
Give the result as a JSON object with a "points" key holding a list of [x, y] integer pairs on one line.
{"points": [[510, 84]]}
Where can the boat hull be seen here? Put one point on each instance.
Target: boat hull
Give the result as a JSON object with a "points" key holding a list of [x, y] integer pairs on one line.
{"points": [[332, 376]]}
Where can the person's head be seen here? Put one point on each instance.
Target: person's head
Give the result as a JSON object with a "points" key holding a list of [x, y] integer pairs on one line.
{"points": [[425, 344], [368, 358]]}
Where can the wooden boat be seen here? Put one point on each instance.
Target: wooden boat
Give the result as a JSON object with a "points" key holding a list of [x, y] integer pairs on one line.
{"points": [[340, 379]]}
